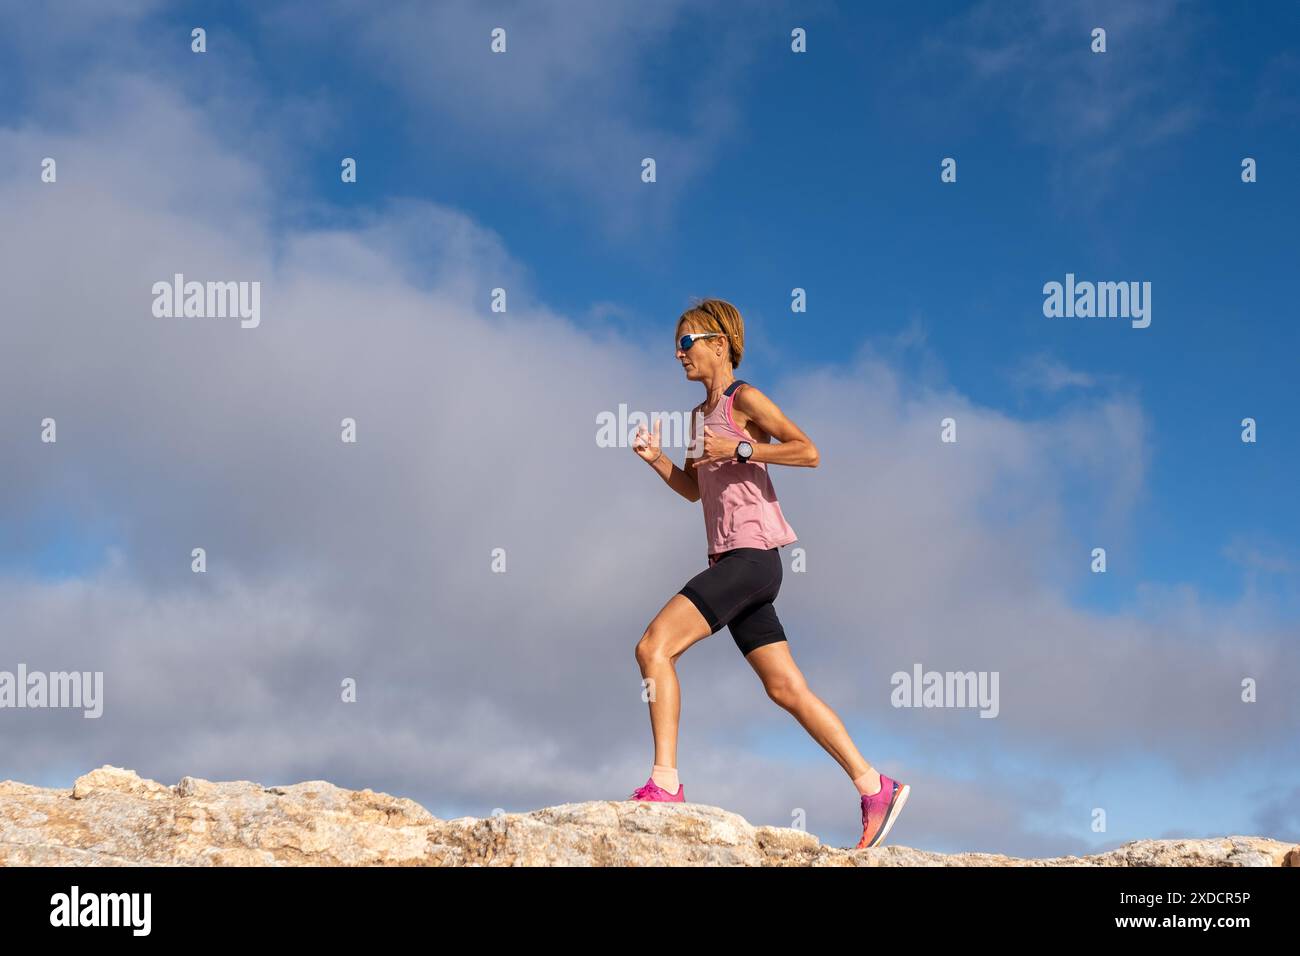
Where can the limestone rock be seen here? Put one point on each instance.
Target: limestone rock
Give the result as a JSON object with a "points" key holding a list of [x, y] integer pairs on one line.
{"points": [[112, 817]]}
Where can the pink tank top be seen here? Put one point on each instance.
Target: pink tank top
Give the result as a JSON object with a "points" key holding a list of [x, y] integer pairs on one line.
{"points": [[740, 506]]}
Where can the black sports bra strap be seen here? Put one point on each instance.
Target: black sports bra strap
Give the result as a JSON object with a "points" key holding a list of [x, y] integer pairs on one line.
{"points": [[734, 385]]}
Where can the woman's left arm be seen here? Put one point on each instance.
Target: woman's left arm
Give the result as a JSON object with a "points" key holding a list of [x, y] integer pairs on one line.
{"points": [[793, 447]]}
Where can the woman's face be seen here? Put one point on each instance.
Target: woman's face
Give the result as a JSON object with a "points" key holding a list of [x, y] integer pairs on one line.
{"points": [[702, 359]]}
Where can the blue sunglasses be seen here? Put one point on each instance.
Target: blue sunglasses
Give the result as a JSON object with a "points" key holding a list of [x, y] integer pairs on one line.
{"points": [[686, 341]]}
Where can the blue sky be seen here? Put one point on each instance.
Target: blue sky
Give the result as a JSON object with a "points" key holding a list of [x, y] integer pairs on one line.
{"points": [[775, 171]]}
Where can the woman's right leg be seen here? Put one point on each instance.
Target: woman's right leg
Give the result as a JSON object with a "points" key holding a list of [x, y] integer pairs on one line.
{"points": [[666, 638]]}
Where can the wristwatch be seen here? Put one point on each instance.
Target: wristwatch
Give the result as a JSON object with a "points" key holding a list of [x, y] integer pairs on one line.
{"points": [[743, 450]]}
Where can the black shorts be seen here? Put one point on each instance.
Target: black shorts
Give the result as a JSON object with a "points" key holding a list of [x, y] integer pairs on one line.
{"points": [[737, 590]]}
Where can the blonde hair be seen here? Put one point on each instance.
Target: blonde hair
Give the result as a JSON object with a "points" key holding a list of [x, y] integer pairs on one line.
{"points": [[718, 315]]}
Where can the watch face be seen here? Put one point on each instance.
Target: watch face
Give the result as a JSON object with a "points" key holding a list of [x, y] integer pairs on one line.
{"points": [[745, 449]]}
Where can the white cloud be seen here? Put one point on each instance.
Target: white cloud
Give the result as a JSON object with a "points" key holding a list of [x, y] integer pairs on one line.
{"points": [[1050, 375]]}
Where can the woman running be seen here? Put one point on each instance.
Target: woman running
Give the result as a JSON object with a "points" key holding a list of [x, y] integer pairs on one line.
{"points": [[745, 528]]}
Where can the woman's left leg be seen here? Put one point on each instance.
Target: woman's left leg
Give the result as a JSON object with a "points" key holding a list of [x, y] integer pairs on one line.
{"points": [[785, 684], [761, 638]]}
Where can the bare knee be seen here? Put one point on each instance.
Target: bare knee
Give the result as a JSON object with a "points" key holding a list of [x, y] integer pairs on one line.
{"points": [[652, 648], [786, 692]]}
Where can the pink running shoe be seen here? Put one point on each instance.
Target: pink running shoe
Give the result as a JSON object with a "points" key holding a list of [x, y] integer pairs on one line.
{"points": [[652, 791], [880, 810]]}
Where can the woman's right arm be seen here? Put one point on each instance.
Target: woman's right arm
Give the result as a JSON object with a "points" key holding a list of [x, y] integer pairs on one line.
{"points": [[679, 480]]}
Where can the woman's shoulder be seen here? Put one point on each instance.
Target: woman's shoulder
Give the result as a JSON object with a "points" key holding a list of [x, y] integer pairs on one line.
{"points": [[747, 395]]}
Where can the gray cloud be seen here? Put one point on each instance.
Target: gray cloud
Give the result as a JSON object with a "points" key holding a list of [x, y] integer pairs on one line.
{"points": [[1279, 815]]}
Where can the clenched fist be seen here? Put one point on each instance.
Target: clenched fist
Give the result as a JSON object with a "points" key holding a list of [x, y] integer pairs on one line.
{"points": [[717, 448]]}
